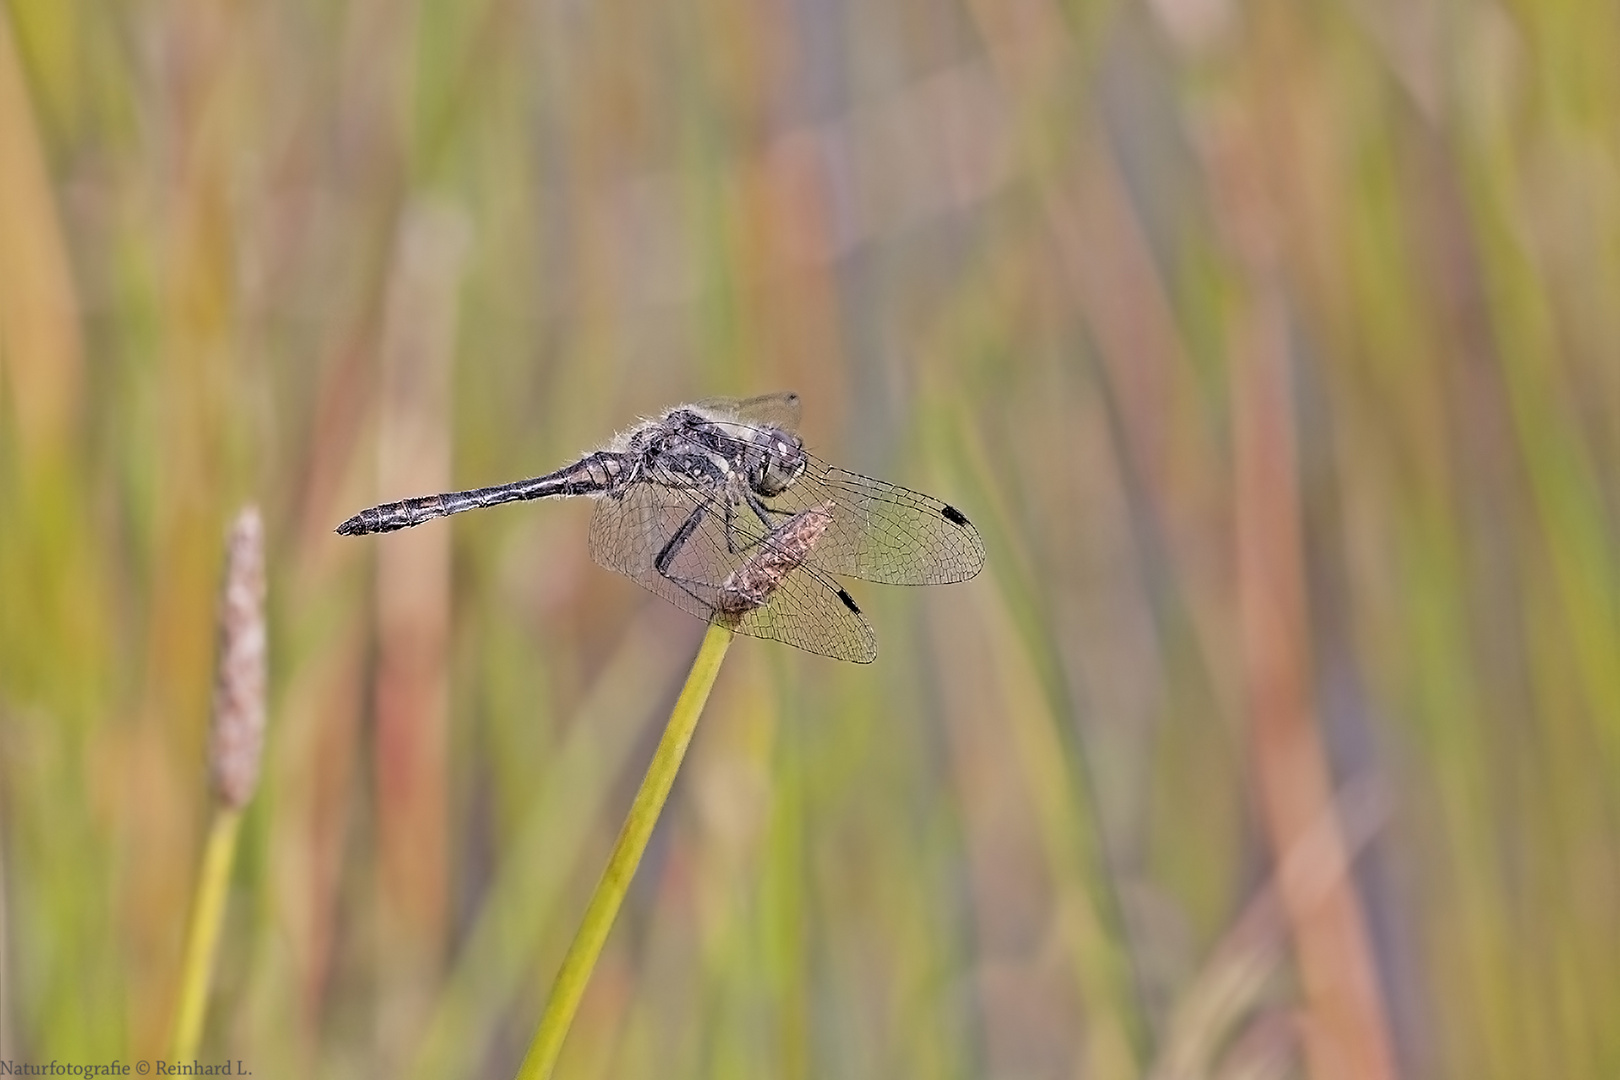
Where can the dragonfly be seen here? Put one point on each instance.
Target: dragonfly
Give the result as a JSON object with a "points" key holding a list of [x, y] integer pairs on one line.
{"points": [[717, 507]]}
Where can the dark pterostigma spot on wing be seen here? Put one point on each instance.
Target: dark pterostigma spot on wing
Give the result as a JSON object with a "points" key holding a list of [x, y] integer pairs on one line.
{"points": [[849, 601], [953, 515]]}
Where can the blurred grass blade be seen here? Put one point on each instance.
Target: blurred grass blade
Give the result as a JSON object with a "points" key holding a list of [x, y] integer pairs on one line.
{"points": [[202, 936], [235, 743], [1234, 979], [1293, 774], [621, 868], [574, 784], [1106, 967], [39, 327]]}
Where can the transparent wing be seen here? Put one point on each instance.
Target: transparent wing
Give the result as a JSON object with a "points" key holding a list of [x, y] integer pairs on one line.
{"points": [[812, 613], [699, 545], [883, 532], [780, 410], [629, 531]]}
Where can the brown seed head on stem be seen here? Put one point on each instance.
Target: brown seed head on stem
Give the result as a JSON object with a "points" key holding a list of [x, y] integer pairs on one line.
{"points": [[752, 584], [237, 735]]}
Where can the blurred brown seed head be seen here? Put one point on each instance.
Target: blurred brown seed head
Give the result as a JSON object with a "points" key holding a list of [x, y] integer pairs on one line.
{"points": [[238, 729]]}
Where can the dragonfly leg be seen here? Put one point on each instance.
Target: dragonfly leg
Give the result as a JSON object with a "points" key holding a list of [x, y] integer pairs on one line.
{"points": [[672, 546], [736, 544], [731, 527], [762, 511], [672, 549]]}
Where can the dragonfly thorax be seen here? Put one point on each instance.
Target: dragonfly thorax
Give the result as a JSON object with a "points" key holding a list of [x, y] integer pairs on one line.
{"points": [[767, 459]]}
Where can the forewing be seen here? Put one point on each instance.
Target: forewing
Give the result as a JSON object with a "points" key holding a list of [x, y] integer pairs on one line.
{"points": [[883, 532], [781, 410], [629, 532]]}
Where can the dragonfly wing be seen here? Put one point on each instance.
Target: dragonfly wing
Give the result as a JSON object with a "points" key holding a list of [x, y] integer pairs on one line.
{"points": [[883, 532], [780, 410], [630, 532], [682, 545], [811, 612]]}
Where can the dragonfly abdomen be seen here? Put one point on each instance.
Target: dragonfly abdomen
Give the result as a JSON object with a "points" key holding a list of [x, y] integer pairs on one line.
{"points": [[593, 475]]}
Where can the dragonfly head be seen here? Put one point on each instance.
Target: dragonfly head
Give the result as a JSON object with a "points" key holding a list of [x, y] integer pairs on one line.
{"points": [[781, 462]]}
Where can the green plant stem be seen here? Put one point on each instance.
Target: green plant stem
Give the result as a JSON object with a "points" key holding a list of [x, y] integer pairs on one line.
{"points": [[202, 937], [621, 867]]}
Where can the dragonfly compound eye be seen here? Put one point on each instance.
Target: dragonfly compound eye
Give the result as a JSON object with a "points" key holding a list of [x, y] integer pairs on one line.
{"points": [[784, 463]]}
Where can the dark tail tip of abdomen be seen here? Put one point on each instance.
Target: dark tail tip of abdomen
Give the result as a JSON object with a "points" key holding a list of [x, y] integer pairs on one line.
{"points": [[370, 521]]}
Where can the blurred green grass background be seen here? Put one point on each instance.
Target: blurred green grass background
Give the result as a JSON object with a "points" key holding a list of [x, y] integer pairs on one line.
{"points": [[1272, 346]]}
